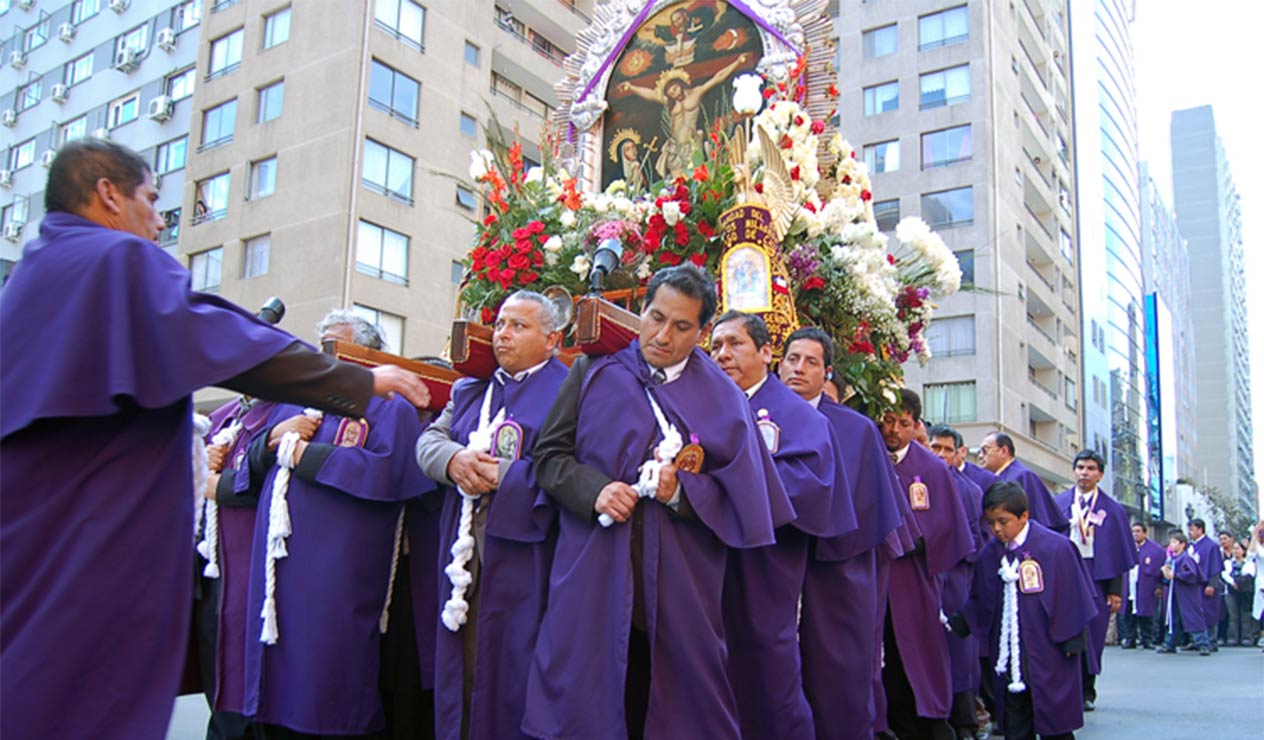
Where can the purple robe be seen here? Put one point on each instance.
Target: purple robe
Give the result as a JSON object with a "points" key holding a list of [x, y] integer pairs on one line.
{"points": [[576, 683], [963, 652], [1150, 557], [1040, 503], [840, 616], [1114, 554], [1060, 612], [1186, 593], [763, 585], [321, 676], [102, 344], [982, 477], [916, 596], [1210, 561], [513, 579]]}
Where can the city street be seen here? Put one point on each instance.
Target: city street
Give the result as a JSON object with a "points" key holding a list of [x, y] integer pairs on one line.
{"points": [[1141, 696]]}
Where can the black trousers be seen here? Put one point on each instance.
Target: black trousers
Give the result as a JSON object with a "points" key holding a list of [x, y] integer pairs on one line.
{"points": [[1137, 630], [902, 716], [961, 716], [1020, 719]]}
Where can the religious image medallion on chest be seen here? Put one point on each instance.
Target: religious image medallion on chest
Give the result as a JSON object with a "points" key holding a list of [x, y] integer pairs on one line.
{"points": [[1031, 579], [507, 441], [351, 433], [690, 457], [769, 431], [919, 495]]}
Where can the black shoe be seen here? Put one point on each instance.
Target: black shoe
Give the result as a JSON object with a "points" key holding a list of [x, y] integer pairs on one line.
{"points": [[1205, 651], [1164, 649], [1190, 648], [1128, 645], [1089, 705], [1146, 646], [1215, 648]]}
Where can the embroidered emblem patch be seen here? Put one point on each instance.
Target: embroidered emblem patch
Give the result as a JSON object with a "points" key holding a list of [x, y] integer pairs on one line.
{"points": [[691, 456], [1147, 560], [1097, 517], [769, 431], [507, 441], [919, 495], [1031, 580], [351, 433]]}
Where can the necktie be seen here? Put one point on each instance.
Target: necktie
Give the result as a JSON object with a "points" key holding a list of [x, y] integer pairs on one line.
{"points": [[895, 458], [659, 377]]}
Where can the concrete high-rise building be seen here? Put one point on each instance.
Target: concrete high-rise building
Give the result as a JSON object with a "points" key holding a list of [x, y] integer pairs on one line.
{"points": [[963, 112], [1209, 213], [106, 68]]}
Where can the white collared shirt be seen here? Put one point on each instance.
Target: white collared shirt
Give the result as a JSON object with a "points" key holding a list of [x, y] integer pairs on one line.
{"points": [[899, 454], [1021, 539], [750, 392], [502, 375], [673, 372], [816, 402]]}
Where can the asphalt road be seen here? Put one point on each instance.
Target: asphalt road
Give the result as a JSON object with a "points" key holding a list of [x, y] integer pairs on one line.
{"points": [[1140, 696]]}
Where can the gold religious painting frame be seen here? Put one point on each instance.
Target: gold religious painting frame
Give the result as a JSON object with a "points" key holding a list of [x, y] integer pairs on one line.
{"points": [[746, 273], [786, 29]]}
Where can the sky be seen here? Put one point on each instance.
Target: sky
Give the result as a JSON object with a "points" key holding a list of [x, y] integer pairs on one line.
{"points": [[1191, 54]]}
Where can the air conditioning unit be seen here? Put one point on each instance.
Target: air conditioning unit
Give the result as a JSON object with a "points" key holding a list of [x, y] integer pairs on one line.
{"points": [[66, 32], [160, 108], [58, 92], [17, 59], [13, 232], [47, 157], [26, 4], [126, 59], [101, 133], [166, 39], [6, 178], [157, 182], [118, 6], [9, 118]]}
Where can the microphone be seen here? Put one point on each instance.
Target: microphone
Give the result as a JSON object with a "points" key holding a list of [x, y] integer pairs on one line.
{"points": [[605, 261], [272, 311]]}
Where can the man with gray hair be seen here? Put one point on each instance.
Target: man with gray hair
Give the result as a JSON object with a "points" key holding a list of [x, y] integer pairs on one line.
{"points": [[497, 530], [350, 326], [95, 471]]}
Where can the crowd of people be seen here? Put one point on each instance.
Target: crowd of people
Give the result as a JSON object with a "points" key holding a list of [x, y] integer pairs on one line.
{"points": [[658, 543]]}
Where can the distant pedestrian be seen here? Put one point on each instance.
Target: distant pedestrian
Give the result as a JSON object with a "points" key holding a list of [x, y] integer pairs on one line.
{"points": [[1206, 553], [1239, 576], [1255, 551], [1223, 591], [1184, 598], [1143, 590]]}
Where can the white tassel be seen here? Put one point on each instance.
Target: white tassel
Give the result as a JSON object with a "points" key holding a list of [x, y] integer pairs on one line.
{"points": [[201, 426], [1009, 655], [664, 453], [278, 530], [385, 621], [208, 548]]}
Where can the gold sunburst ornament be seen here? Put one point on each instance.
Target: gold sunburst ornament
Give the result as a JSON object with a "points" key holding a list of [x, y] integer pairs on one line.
{"points": [[669, 76], [623, 135]]}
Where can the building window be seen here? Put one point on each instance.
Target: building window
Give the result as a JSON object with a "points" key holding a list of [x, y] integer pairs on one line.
{"points": [[965, 260], [887, 213], [81, 10], [180, 84], [521, 99], [79, 70], [171, 155], [382, 253], [951, 337], [403, 19], [22, 155], [206, 268], [458, 272], [255, 254], [123, 110], [390, 325], [212, 199], [1072, 400], [394, 93], [75, 129], [225, 54], [945, 87], [469, 125], [36, 35], [949, 207], [29, 95], [170, 233], [465, 198], [276, 28], [218, 124], [947, 146], [879, 42], [471, 54], [263, 178], [949, 403], [1068, 247], [882, 98], [271, 100], [951, 26], [388, 171], [883, 156], [186, 15], [136, 39]]}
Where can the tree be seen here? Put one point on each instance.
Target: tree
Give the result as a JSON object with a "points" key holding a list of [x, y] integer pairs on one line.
{"points": [[1227, 512]]}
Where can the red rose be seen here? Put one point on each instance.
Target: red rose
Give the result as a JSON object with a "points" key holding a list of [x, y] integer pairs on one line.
{"points": [[657, 222], [523, 247], [478, 253], [669, 258], [809, 205], [816, 282], [832, 91], [537, 259], [866, 195], [846, 179], [521, 233], [491, 219], [705, 229], [685, 207], [682, 234], [769, 92], [519, 262], [527, 277], [798, 120], [535, 227], [818, 127], [759, 187], [682, 192], [891, 259], [487, 315], [652, 242], [786, 142], [698, 259], [794, 172]]}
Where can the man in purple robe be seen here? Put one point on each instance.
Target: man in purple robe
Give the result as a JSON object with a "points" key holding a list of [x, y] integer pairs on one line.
{"points": [[763, 586], [1207, 554], [96, 464], [1100, 533], [1184, 605], [632, 641], [324, 561], [982, 477], [996, 454], [1031, 598], [483, 654], [948, 444], [843, 600], [1142, 588], [917, 673]]}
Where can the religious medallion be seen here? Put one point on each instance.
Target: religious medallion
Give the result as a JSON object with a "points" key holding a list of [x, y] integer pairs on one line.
{"points": [[1031, 580], [769, 431], [507, 440], [351, 433], [919, 495], [690, 457]]}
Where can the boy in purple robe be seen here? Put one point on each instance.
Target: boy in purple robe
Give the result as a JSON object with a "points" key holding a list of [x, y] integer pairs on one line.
{"points": [[483, 653], [1031, 598], [1184, 604], [763, 586], [840, 622], [1142, 589], [96, 484], [1100, 533], [632, 641], [1207, 554], [996, 454], [320, 588], [917, 674]]}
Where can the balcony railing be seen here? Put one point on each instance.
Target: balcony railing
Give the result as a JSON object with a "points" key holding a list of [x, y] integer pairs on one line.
{"points": [[570, 5], [1043, 332], [1031, 375], [1048, 283], [553, 56], [517, 103]]}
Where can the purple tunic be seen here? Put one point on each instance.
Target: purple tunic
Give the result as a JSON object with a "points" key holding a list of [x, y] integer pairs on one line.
{"points": [[96, 474], [1187, 593], [321, 676], [1149, 566], [513, 579], [763, 585], [982, 477], [915, 593], [840, 615], [1046, 620], [1040, 503], [963, 652], [1210, 561], [576, 684]]}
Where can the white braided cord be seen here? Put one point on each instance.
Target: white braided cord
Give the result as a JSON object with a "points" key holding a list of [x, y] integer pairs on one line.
{"points": [[278, 529], [1008, 656], [664, 453], [208, 548], [385, 620]]}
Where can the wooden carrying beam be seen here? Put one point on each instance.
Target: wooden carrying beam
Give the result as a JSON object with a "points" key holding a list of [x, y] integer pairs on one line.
{"points": [[438, 379], [472, 349], [603, 327]]}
